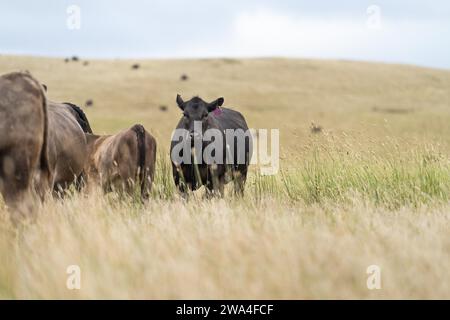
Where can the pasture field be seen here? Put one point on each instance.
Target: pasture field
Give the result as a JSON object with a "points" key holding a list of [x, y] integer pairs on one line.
{"points": [[370, 187]]}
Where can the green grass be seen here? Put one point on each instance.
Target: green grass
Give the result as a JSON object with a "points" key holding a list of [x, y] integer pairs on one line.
{"points": [[392, 182], [418, 177]]}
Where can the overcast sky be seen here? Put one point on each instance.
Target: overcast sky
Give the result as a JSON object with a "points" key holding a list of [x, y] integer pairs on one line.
{"points": [[401, 31]]}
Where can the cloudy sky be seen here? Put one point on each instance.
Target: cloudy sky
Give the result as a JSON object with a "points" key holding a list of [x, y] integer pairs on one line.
{"points": [[400, 31]]}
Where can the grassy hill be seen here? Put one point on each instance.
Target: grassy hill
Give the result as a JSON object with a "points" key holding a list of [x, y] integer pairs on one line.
{"points": [[372, 186], [362, 99]]}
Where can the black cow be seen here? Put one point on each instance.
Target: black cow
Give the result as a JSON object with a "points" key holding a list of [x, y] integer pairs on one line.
{"points": [[200, 169]]}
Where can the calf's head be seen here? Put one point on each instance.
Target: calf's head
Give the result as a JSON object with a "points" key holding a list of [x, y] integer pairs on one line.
{"points": [[197, 110]]}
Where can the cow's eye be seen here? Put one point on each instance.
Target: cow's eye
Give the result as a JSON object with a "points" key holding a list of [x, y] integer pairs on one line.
{"points": [[204, 115], [186, 115]]}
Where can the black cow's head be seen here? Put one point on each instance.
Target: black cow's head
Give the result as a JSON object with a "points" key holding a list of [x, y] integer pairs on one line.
{"points": [[197, 110]]}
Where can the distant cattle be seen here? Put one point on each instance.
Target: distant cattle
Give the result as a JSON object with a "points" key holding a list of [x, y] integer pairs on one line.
{"points": [[89, 103], [315, 128], [198, 172], [23, 139], [184, 77], [119, 162], [67, 147], [135, 66]]}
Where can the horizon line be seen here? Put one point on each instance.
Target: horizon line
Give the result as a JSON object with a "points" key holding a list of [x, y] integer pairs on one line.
{"points": [[213, 57]]}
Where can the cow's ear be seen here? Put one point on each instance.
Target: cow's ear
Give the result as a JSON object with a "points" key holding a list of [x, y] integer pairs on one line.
{"points": [[217, 103], [45, 87], [180, 102]]}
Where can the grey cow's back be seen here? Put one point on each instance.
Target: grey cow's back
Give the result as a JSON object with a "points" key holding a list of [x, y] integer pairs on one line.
{"points": [[67, 144]]}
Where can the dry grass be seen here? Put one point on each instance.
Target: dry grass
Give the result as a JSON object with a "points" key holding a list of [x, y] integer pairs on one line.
{"points": [[373, 187], [227, 249]]}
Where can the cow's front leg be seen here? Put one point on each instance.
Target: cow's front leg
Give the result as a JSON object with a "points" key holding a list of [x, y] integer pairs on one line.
{"points": [[180, 183], [239, 178], [183, 190], [215, 184], [215, 189]]}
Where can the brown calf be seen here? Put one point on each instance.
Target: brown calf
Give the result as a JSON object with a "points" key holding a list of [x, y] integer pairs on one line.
{"points": [[118, 162]]}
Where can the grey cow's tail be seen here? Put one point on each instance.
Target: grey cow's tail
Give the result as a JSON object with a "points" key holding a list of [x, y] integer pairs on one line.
{"points": [[44, 164], [140, 135], [43, 161]]}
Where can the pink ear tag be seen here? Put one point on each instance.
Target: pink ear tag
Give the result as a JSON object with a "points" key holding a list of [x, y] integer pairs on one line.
{"points": [[217, 111]]}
